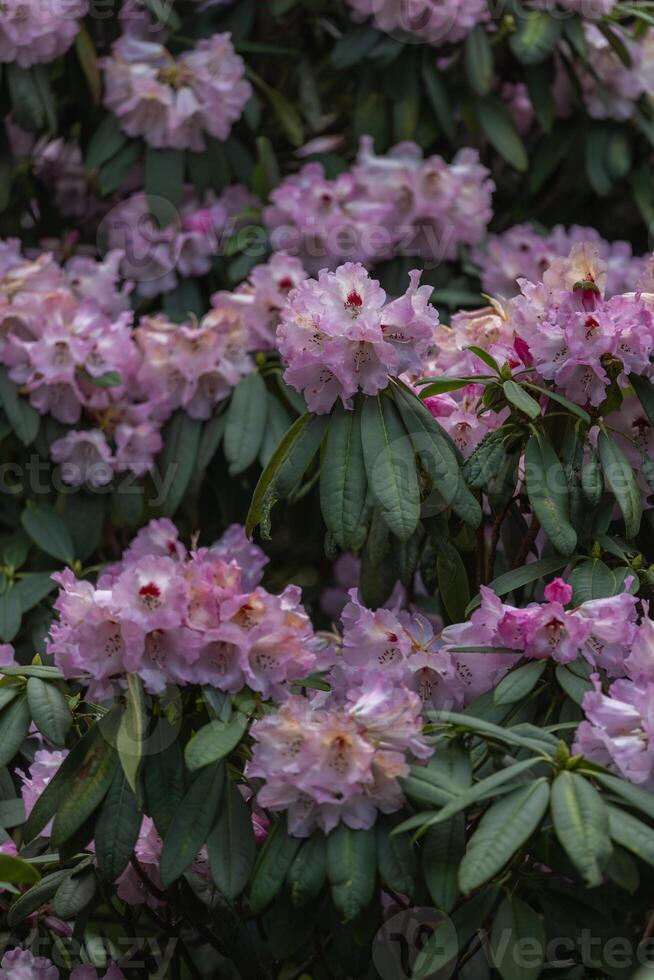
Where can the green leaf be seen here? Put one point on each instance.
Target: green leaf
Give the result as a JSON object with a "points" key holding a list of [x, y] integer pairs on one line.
{"points": [[536, 36], [540, 80], [163, 176], [74, 894], [518, 397], [396, 858], [87, 757], [106, 141], [516, 923], [478, 60], [117, 828], [245, 422], [49, 710], [176, 463], [191, 823], [231, 845], [351, 868], [37, 896], [88, 60], [41, 77], [286, 467], [86, 790], [14, 724], [486, 461], [131, 734], [48, 531], [503, 830], [272, 866], [453, 585], [442, 851], [621, 481], [591, 480], [390, 465], [592, 580], [23, 419], [499, 128], [6, 172], [10, 615], [439, 98], [519, 683], [639, 798], [27, 106], [631, 834], [479, 791], [343, 482], [114, 171], [519, 577], [17, 872], [163, 779], [353, 47], [215, 741], [574, 686], [308, 872], [645, 392], [438, 457], [581, 822], [484, 356], [560, 400], [547, 490], [278, 421]]}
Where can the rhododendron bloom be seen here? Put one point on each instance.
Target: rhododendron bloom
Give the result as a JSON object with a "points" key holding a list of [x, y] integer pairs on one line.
{"points": [[433, 21], [171, 617], [173, 102], [32, 33], [21, 964], [338, 335]]}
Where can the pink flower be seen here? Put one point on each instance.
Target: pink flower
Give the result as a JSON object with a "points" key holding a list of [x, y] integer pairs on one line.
{"points": [[338, 336], [558, 591], [85, 457], [34, 33], [397, 203], [173, 102], [618, 730], [20, 964], [432, 21], [551, 632]]}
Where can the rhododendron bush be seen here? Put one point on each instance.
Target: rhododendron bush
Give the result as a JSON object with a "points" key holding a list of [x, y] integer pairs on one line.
{"points": [[326, 489]]}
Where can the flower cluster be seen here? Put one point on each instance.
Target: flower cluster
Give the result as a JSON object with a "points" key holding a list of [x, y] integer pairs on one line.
{"points": [[612, 89], [602, 630], [173, 617], [618, 731], [67, 340], [562, 328], [337, 761], [33, 33], [21, 964], [192, 366], [439, 22], [338, 756], [158, 249], [400, 202], [174, 102], [259, 301], [522, 252], [338, 335], [433, 21], [575, 337]]}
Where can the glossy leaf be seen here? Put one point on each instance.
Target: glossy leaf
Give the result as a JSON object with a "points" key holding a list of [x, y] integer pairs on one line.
{"points": [[191, 823]]}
